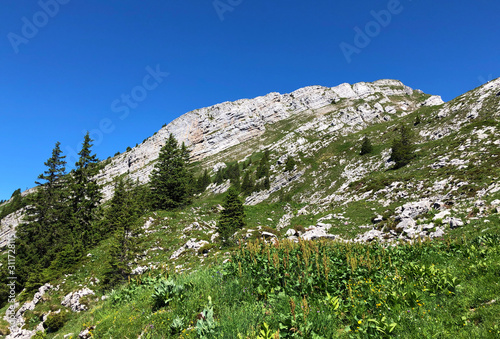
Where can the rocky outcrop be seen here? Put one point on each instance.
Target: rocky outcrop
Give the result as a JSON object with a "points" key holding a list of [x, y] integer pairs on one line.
{"points": [[72, 300], [317, 232], [191, 244], [16, 320], [434, 100], [208, 131], [8, 226]]}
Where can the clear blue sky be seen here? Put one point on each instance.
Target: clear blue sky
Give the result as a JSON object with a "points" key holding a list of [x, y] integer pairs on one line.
{"points": [[67, 70]]}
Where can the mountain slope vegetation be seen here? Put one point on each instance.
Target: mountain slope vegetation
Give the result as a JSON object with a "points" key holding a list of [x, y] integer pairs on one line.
{"points": [[400, 240]]}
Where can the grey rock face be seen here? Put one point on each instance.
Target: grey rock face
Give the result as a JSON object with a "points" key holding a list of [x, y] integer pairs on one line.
{"points": [[434, 100], [412, 209], [17, 321], [454, 222], [8, 226], [208, 131], [72, 300], [191, 244]]}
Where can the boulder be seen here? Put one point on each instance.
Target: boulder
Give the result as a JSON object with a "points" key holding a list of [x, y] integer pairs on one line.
{"points": [[441, 215], [370, 236], [191, 244], [406, 223], [316, 233], [72, 300], [412, 209], [454, 222]]}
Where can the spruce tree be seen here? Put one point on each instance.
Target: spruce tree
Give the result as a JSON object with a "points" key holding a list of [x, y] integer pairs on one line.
{"points": [[402, 150], [289, 164], [366, 146], [44, 232], [263, 167], [203, 182], [85, 194], [232, 217], [16, 203], [267, 183], [171, 180], [122, 221], [219, 176], [233, 174], [248, 184]]}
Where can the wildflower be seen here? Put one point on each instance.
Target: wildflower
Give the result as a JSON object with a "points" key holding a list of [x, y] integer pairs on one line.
{"points": [[360, 321]]}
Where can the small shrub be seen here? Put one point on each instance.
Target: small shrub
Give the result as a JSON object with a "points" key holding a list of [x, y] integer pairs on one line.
{"points": [[206, 325], [205, 248], [39, 335], [366, 147], [166, 291], [55, 321], [289, 164], [299, 228]]}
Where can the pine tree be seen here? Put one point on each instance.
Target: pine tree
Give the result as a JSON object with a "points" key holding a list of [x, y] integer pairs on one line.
{"points": [[171, 180], [232, 217], [289, 164], [85, 194], [233, 174], [43, 234], [402, 150], [219, 176], [247, 163], [267, 183], [16, 203], [366, 147], [121, 221], [263, 167], [248, 184], [203, 182]]}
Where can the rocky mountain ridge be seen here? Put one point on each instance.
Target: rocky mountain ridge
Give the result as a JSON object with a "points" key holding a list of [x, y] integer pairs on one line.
{"points": [[211, 130]]}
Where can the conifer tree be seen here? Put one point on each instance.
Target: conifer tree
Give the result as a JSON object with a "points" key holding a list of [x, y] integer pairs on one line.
{"points": [[402, 150], [247, 163], [289, 164], [248, 184], [121, 221], [233, 174], [366, 146], [43, 233], [16, 203], [171, 180], [232, 217], [263, 167], [267, 183], [219, 176], [85, 194], [203, 182]]}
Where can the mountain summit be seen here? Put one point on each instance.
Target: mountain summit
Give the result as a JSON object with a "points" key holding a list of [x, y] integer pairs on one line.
{"points": [[211, 130]]}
